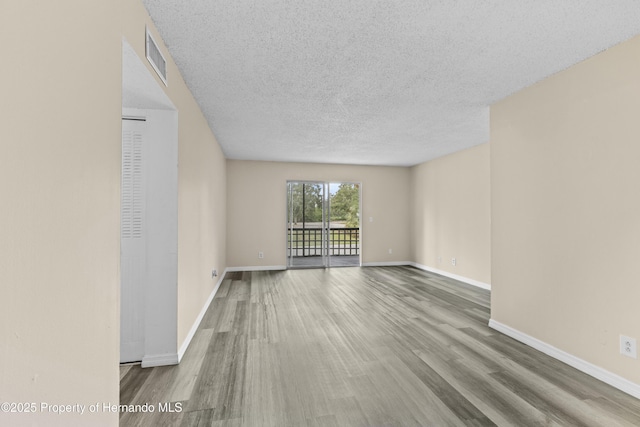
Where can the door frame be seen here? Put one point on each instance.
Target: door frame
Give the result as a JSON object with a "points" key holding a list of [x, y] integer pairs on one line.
{"points": [[326, 222]]}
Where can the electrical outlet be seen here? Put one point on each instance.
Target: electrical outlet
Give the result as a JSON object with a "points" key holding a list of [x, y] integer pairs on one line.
{"points": [[439, 260], [628, 347], [214, 273], [390, 251], [260, 255], [453, 261]]}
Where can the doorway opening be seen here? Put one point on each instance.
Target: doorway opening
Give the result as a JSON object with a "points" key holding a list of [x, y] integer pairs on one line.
{"points": [[323, 224], [149, 218]]}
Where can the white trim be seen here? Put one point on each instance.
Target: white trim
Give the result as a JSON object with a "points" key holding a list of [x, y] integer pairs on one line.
{"points": [[597, 372], [159, 360], [196, 324], [385, 264], [467, 280], [258, 268]]}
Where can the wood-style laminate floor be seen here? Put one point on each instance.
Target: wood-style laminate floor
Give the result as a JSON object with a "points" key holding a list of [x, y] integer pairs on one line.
{"points": [[373, 346]]}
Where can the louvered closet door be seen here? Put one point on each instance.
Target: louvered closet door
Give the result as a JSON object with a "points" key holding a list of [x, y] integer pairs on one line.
{"points": [[133, 243]]}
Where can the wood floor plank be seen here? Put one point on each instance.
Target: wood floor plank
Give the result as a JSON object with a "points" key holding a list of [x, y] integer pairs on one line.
{"points": [[392, 346], [221, 378], [449, 396], [616, 409], [349, 412], [132, 383], [265, 399], [499, 404], [124, 369], [224, 288], [151, 392], [188, 370]]}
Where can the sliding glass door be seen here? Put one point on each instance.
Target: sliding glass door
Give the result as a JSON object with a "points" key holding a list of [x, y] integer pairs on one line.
{"points": [[306, 224], [323, 227]]}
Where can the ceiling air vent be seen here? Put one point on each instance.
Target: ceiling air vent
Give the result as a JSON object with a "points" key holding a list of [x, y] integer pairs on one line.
{"points": [[156, 59]]}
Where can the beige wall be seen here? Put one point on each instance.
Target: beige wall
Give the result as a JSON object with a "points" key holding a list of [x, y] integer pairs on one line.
{"points": [[451, 215], [201, 184], [566, 211], [60, 219], [201, 216], [256, 203], [60, 222]]}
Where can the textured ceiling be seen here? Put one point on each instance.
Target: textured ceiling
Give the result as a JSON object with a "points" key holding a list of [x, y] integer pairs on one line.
{"points": [[373, 82]]}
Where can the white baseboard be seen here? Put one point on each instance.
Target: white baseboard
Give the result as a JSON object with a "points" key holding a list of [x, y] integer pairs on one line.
{"points": [[588, 368], [159, 360], [258, 268], [385, 264], [467, 280], [196, 324]]}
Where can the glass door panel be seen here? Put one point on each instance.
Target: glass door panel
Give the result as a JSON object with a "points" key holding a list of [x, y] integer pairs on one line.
{"points": [[344, 224], [306, 229]]}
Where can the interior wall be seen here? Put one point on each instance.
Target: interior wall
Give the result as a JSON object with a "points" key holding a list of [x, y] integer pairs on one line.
{"points": [[60, 179], [256, 203], [60, 212], [451, 214], [201, 183], [565, 209]]}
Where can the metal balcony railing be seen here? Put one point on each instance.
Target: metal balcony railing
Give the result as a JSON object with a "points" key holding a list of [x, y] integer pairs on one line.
{"points": [[303, 242]]}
